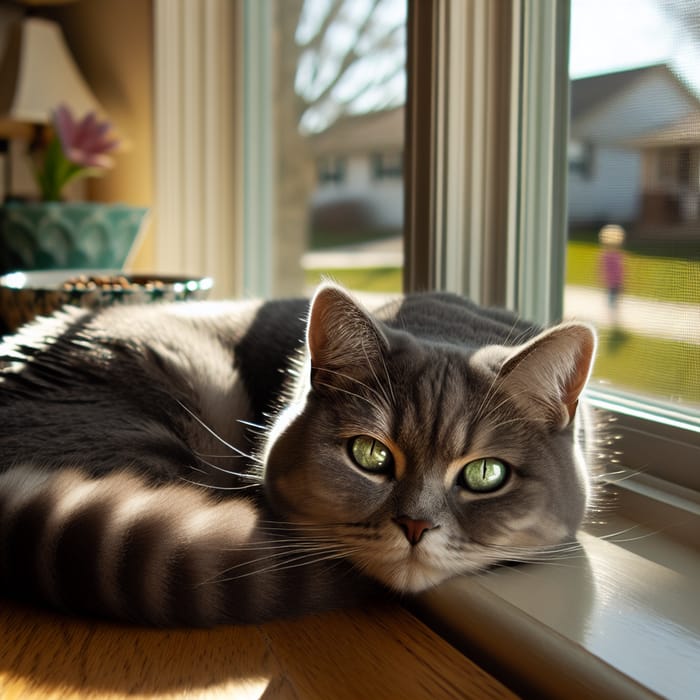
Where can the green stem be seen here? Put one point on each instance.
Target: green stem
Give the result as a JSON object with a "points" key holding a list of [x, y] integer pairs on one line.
{"points": [[56, 172]]}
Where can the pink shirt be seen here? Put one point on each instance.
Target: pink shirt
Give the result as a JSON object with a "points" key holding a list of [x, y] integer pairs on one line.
{"points": [[612, 268]]}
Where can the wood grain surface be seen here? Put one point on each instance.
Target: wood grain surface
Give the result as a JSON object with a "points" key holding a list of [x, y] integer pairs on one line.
{"points": [[374, 653]]}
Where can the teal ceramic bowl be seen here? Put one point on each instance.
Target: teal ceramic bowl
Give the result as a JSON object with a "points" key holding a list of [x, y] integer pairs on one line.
{"points": [[26, 295], [68, 235]]}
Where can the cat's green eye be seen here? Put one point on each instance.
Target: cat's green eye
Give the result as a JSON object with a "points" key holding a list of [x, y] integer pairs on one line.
{"points": [[484, 475], [370, 454]]}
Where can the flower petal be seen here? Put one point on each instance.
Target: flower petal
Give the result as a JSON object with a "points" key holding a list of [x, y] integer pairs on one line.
{"points": [[90, 160], [65, 125], [85, 128]]}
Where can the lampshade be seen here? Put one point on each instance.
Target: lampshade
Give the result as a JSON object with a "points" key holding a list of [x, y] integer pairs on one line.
{"points": [[38, 73]]}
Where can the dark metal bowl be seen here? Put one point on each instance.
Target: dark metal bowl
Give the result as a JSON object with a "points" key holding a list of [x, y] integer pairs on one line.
{"points": [[26, 295]]}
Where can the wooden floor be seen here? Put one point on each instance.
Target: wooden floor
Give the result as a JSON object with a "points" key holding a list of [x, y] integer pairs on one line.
{"points": [[377, 653]]}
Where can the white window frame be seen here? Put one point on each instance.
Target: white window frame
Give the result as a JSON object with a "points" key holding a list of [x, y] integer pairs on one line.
{"points": [[196, 99], [457, 56], [457, 239]]}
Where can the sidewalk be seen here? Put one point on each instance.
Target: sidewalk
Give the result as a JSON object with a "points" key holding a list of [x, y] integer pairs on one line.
{"points": [[387, 252], [659, 319]]}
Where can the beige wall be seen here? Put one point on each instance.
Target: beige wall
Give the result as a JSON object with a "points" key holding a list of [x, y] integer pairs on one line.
{"points": [[112, 42]]}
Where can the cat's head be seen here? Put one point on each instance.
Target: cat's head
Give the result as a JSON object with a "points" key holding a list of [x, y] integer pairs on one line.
{"points": [[425, 459]]}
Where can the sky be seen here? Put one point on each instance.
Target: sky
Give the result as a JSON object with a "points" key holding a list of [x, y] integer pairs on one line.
{"points": [[608, 35]]}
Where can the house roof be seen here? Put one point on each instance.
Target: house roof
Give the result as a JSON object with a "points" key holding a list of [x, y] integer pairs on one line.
{"points": [[381, 131], [589, 93], [685, 132]]}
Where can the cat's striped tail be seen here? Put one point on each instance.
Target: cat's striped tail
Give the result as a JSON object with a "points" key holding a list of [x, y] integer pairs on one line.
{"points": [[117, 547]]}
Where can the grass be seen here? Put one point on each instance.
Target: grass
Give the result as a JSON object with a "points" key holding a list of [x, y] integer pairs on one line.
{"points": [[367, 279], [666, 279], [656, 366], [323, 240], [654, 277]]}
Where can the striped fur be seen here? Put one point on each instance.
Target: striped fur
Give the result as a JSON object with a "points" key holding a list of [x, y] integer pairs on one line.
{"points": [[188, 465]]}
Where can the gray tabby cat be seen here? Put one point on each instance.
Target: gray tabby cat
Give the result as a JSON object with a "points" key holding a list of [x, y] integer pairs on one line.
{"points": [[219, 462]]}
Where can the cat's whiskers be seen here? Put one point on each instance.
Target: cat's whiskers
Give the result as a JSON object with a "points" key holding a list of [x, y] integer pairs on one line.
{"points": [[383, 398], [215, 435], [519, 339], [298, 533], [250, 424], [350, 393], [295, 551], [280, 544], [510, 421], [217, 456], [295, 557], [501, 557], [390, 400], [220, 488], [493, 387], [291, 564], [572, 549], [510, 397], [241, 475], [297, 529], [645, 535], [498, 380], [197, 469]]}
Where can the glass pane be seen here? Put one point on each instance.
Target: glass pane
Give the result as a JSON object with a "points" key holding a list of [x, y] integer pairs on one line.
{"points": [[340, 86], [633, 259]]}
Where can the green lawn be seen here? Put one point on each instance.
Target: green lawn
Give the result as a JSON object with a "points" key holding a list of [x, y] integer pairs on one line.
{"points": [[371, 279], [646, 274], [667, 279], [664, 368]]}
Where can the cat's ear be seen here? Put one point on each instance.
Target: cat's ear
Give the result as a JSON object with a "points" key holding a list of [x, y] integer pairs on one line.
{"points": [[548, 374], [341, 335]]}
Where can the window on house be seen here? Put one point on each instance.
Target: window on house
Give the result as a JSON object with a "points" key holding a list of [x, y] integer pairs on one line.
{"points": [[330, 170], [580, 156], [338, 68], [684, 162], [387, 166]]}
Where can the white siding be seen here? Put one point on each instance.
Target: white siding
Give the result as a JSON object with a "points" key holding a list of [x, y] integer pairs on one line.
{"points": [[612, 194], [383, 198]]}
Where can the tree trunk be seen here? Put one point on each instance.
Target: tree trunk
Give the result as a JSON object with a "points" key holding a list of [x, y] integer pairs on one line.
{"points": [[295, 171]]}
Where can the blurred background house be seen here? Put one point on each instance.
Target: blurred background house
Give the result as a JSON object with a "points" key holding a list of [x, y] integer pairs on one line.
{"points": [[671, 179], [614, 164], [359, 169], [627, 164]]}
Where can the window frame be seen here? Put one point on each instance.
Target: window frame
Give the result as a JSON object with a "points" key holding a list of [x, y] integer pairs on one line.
{"points": [[528, 271], [496, 183], [640, 438]]}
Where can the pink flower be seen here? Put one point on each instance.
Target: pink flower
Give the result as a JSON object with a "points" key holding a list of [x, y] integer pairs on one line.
{"points": [[85, 142]]}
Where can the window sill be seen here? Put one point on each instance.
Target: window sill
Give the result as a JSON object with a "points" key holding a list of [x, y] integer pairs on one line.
{"points": [[617, 620]]}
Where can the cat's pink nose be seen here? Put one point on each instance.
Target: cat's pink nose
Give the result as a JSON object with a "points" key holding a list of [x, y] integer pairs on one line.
{"points": [[413, 529]]}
